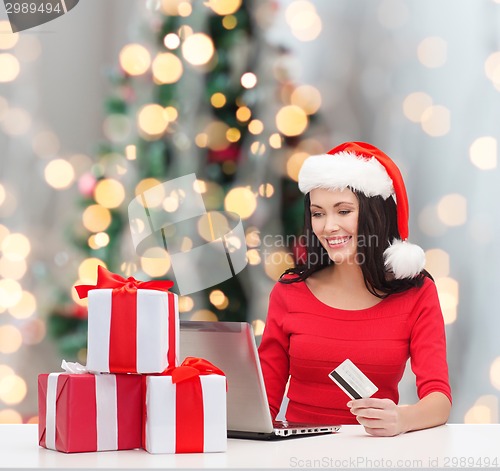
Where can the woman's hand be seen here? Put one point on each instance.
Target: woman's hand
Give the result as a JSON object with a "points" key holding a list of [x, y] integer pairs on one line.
{"points": [[379, 417]]}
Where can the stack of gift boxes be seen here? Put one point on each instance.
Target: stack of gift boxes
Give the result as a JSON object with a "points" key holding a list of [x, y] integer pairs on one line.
{"points": [[133, 393]]}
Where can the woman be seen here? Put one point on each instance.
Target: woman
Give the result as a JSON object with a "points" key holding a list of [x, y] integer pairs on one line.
{"points": [[361, 294]]}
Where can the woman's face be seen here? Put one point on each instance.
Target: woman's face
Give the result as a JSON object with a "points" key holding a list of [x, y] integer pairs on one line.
{"points": [[334, 220]]}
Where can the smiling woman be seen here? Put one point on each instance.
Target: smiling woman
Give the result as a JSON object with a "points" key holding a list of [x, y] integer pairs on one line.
{"points": [[361, 294]]}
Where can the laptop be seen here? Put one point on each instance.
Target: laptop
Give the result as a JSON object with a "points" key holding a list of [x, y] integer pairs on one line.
{"points": [[231, 347]]}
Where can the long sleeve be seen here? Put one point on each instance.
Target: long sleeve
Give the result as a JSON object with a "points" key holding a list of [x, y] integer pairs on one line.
{"points": [[273, 350], [428, 345]]}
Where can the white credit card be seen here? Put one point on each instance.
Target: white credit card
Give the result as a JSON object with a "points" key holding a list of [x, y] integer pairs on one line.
{"points": [[352, 381]]}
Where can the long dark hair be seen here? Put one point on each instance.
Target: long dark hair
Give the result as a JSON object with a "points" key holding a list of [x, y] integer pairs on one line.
{"points": [[377, 227]]}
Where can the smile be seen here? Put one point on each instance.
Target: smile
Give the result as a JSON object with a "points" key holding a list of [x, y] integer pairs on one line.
{"points": [[338, 241]]}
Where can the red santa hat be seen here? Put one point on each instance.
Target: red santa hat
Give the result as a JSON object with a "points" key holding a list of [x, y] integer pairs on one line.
{"points": [[364, 168]]}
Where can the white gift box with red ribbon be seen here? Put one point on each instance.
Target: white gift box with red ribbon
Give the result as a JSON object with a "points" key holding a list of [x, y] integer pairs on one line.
{"points": [[186, 413]]}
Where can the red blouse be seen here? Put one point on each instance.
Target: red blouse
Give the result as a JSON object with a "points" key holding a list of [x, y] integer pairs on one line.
{"points": [[306, 339]]}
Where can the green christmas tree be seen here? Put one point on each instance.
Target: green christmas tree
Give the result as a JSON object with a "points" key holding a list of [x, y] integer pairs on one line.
{"points": [[185, 101]]}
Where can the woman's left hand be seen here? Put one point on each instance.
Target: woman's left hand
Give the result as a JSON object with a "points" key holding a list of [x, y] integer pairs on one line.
{"points": [[379, 417]]}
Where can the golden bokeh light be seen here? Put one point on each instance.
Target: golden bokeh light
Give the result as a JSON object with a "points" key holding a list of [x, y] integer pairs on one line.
{"points": [[172, 41], [59, 174], [233, 135], [109, 193], [258, 148], [452, 210], [415, 104], [10, 292], [10, 416], [303, 20], [152, 120], [437, 262], [201, 140], [186, 244], [25, 308], [135, 59], [248, 80], [74, 295], [13, 389], [3, 194], [492, 68], [291, 120], [128, 268], [294, 164], [255, 127], [87, 271], [230, 22], [241, 201], [171, 7], [184, 8], [243, 114], [13, 269], [155, 262], [17, 121], [15, 246], [10, 339], [252, 237], [131, 152], [212, 223], [432, 52], [217, 298], [198, 49], [275, 141], [171, 113], [276, 262], [167, 68], [96, 218], [223, 7], [266, 190], [204, 315], [216, 132], [448, 294], [9, 67], [306, 97], [253, 257], [185, 303], [483, 153], [436, 121], [258, 326], [99, 240], [8, 39], [150, 192], [484, 411], [495, 373], [5, 371], [218, 100]]}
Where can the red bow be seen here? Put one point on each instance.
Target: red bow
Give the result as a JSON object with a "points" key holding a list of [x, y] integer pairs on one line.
{"points": [[190, 368], [107, 279]]}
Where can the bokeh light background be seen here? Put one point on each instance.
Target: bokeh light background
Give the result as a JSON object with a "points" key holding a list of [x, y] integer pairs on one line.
{"points": [[421, 80]]}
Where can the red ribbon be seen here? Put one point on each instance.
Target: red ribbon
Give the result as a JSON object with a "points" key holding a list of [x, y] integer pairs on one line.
{"points": [[107, 279], [189, 402], [123, 328]]}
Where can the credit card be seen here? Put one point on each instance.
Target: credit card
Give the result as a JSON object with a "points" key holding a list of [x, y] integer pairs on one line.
{"points": [[352, 381]]}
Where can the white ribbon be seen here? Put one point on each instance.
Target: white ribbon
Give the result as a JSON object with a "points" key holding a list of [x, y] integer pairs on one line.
{"points": [[106, 401]]}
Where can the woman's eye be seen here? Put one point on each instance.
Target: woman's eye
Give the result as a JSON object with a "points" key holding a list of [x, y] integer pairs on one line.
{"points": [[344, 212], [316, 215]]}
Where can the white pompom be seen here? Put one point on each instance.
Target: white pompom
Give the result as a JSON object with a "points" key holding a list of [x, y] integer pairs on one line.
{"points": [[405, 260]]}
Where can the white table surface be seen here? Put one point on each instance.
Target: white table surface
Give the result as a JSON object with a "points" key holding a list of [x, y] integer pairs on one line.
{"points": [[452, 446]]}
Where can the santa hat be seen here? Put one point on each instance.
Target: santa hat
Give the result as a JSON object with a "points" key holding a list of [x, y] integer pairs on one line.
{"points": [[364, 168]]}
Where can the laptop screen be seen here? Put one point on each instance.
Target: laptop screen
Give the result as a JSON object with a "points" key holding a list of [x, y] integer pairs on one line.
{"points": [[231, 347]]}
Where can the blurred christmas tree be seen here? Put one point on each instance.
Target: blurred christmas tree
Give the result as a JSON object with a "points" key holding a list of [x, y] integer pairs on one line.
{"points": [[184, 101]]}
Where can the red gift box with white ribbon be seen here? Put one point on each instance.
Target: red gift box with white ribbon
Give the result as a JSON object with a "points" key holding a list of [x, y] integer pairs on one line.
{"points": [[86, 412], [185, 409], [133, 326]]}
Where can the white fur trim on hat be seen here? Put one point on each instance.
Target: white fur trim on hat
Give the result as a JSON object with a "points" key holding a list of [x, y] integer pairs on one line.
{"points": [[345, 169], [405, 260]]}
